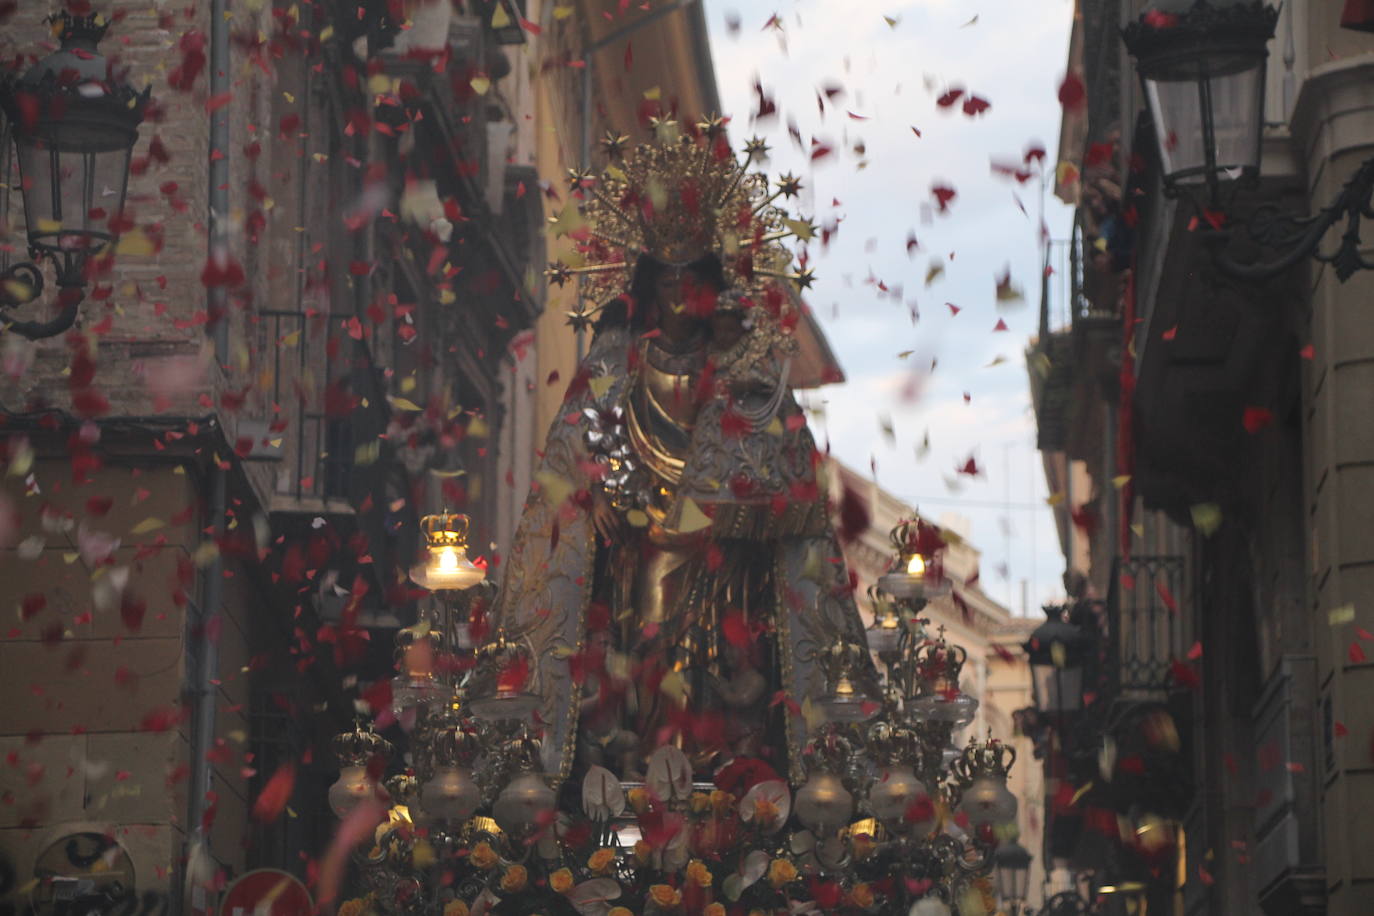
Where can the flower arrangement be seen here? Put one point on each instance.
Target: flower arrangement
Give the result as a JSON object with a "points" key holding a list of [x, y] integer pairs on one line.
{"points": [[669, 848]]}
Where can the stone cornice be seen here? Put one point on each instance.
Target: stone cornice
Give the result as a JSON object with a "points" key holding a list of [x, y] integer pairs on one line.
{"points": [[1335, 110]]}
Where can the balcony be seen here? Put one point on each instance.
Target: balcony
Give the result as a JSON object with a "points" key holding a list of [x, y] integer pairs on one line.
{"points": [[1147, 628]]}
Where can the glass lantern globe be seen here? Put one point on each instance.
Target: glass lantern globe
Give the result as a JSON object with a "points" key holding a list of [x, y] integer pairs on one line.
{"points": [[352, 789], [444, 563], [450, 796], [523, 804], [988, 801], [823, 804], [1202, 68], [895, 799]]}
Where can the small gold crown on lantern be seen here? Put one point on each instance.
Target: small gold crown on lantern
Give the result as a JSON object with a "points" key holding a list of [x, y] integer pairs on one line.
{"points": [[447, 529], [359, 746], [983, 758], [940, 663]]}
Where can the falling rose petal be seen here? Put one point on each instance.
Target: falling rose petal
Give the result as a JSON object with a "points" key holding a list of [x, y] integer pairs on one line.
{"points": [[943, 194], [1073, 95], [949, 97], [975, 106], [1307, 352], [274, 796], [1255, 419], [357, 827]]}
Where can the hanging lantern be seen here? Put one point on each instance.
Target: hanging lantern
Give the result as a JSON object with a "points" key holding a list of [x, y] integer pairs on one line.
{"points": [[74, 121], [982, 774], [1057, 650], [444, 565], [823, 804], [355, 750], [916, 573], [1011, 865], [1202, 68]]}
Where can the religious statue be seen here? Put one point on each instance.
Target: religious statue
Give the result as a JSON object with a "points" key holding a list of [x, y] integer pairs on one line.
{"points": [[675, 573]]}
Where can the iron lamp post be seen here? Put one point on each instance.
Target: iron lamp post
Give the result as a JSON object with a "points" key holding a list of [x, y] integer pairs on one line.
{"points": [[1202, 68], [74, 122]]}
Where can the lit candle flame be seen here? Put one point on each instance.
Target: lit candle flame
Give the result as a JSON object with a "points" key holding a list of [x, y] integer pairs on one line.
{"points": [[916, 566]]}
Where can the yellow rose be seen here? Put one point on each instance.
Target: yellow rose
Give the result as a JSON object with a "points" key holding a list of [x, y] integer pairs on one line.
{"points": [[482, 856], [456, 908], [620, 911], [721, 801], [602, 861], [665, 896], [352, 907], [514, 879], [780, 872], [699, 874], [861, 895], [701, 803], [714, 909], [642, 851], [638, 799], [561, 881]]}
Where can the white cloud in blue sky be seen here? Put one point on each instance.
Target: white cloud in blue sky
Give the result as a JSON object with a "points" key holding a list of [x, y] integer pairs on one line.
{"points": [[1013, 56]]}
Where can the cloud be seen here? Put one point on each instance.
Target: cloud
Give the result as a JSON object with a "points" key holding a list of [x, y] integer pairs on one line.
{"points": [[1014, 58]]}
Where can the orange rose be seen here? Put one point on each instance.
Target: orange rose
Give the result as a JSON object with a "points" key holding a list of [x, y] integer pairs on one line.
{"points": [[780, 872], [455, 908], [699, 874], [664, 896], [482, 856], [620, 911], [561, 881], [515, 879], [602, 861], [714, 909]]}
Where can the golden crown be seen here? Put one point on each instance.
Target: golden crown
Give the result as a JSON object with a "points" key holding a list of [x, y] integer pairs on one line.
{"points": [[676, 199]]}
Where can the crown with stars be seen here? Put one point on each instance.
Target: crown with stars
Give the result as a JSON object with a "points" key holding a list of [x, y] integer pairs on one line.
{"points": [[676, 199]]}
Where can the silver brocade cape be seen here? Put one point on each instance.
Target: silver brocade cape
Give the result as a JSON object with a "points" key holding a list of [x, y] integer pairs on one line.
{"points": [[547, 583]]}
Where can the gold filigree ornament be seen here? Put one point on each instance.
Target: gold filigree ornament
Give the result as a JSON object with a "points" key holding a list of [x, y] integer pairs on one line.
{"points": [[678, 198]]}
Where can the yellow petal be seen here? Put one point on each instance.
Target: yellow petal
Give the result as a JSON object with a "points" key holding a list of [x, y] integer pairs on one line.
{"points": [[1343, 614], [148, 524]]}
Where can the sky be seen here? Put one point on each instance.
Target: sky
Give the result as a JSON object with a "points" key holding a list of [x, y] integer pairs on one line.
{"points": [[891, 63]]}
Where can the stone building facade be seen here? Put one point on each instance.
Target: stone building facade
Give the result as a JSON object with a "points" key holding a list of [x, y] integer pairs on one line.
{"points": [[1208, 439], [329, 319]]}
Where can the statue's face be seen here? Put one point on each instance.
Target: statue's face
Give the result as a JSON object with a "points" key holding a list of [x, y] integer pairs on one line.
{"points": [[668, 287]]}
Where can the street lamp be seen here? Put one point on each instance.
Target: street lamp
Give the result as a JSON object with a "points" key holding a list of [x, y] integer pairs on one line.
{"points": [[1056, 650], [74, 123], [1203, 73], [1011, 864], [1202, 65]]}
